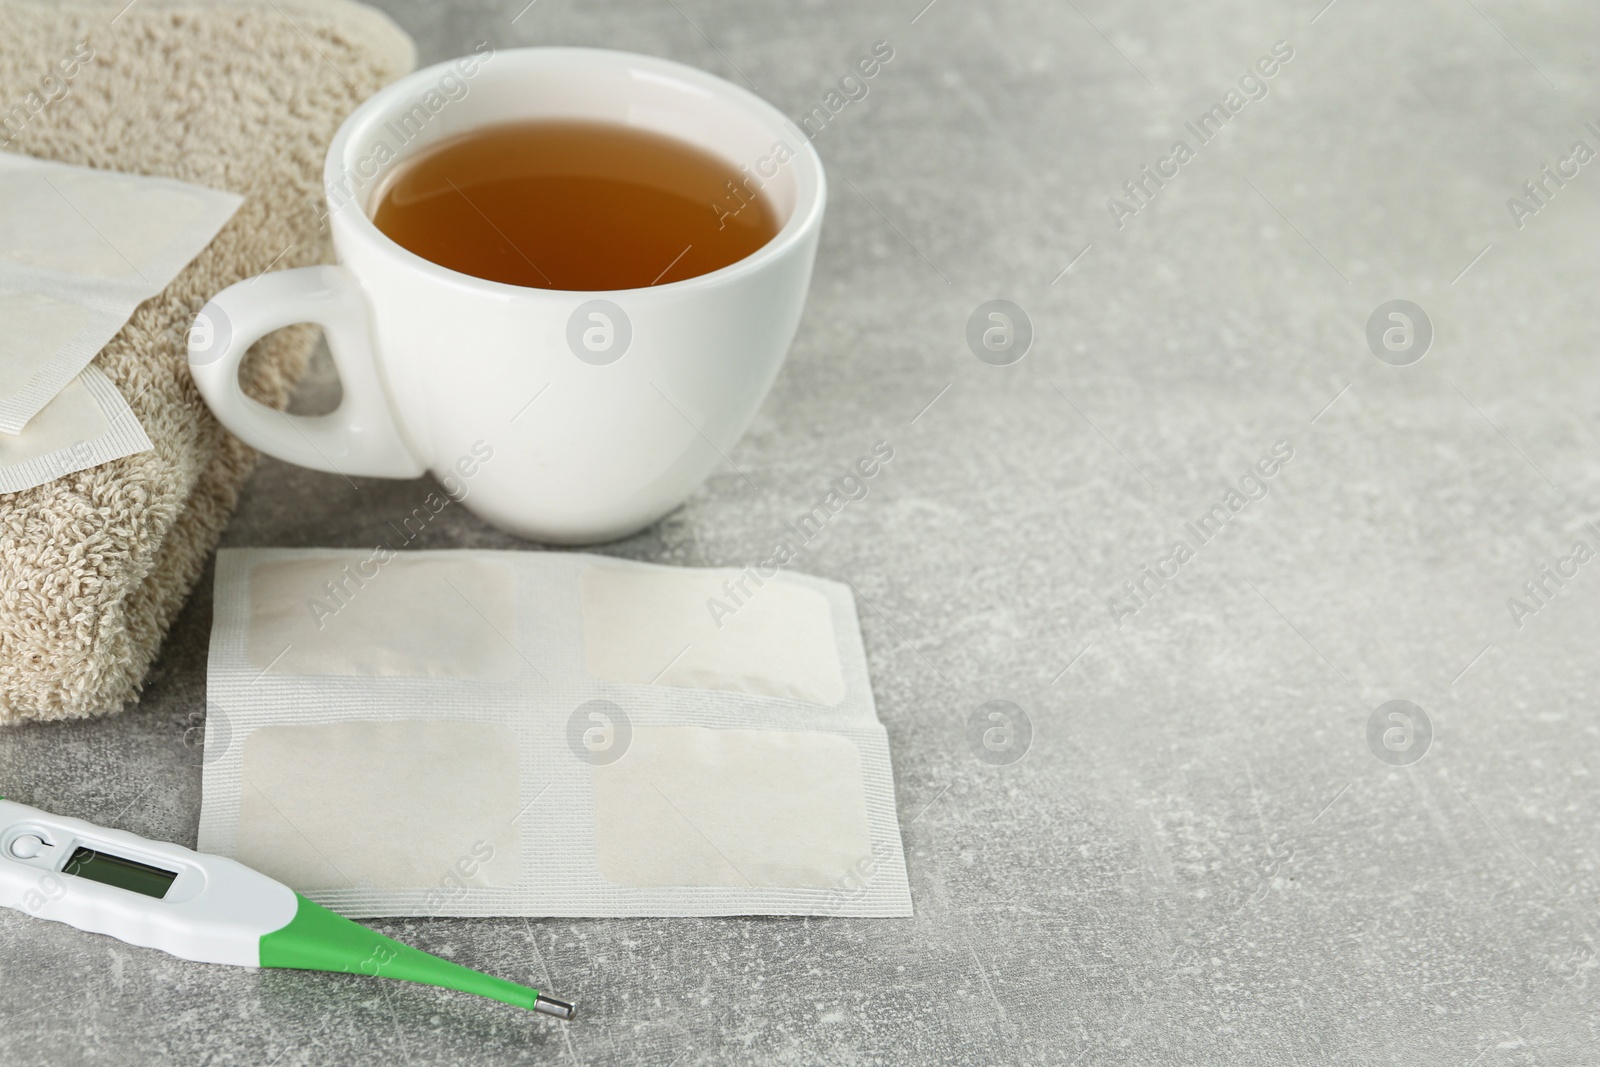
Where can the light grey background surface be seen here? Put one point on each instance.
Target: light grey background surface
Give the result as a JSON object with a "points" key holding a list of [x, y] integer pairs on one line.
{"points": [[1199, 859]]}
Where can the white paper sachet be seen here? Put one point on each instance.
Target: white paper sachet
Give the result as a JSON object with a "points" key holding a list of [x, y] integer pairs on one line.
{"points": [[541, 733], [79, 250], [87, 424]]}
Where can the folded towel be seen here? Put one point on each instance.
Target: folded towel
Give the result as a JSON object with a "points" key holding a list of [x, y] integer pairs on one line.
{"points": [[243, 96]]}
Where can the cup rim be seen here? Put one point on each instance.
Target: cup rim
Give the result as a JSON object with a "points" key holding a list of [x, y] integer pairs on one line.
{"points": [[810, 193]]}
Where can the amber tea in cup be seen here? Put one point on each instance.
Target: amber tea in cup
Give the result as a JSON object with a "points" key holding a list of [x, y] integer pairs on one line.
{"points": [[574, 205]]}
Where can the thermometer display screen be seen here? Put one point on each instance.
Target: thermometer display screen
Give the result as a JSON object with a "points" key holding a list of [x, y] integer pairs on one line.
{"points": [[122, 873]]}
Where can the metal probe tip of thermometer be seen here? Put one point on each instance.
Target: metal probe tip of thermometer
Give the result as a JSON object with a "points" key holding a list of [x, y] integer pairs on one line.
{"points": [[206, 908]]}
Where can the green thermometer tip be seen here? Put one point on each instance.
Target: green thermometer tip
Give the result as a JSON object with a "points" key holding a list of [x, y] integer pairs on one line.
{"points": [[317, 939]]}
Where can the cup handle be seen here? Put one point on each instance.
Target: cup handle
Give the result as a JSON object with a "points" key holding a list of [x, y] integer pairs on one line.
{"points": [[360, 436]]}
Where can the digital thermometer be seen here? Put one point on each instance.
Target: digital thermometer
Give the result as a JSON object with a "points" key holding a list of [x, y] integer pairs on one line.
{"points": [[206, 908]]}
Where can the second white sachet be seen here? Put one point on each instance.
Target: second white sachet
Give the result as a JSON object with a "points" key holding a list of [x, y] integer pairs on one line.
{"points": [[87, 424], [540, 733], [80, 248]]}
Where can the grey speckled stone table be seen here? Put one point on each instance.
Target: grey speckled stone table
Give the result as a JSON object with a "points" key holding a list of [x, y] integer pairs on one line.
{"points": [[1200, 858]]}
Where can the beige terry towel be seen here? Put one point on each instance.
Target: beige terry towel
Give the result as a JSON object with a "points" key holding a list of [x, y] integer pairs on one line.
{"points": [[243, 96]]}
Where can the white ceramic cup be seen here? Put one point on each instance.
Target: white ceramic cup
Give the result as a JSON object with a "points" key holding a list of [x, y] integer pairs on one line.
{"points": [[567, 417]]}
